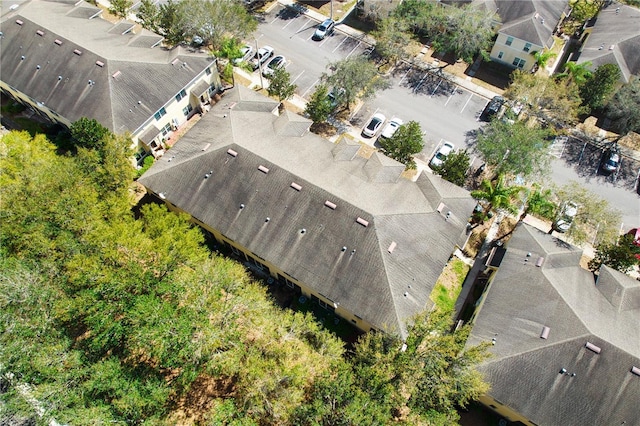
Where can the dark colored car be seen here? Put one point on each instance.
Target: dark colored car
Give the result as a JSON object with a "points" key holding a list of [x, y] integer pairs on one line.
{"points": [[493, 108]]}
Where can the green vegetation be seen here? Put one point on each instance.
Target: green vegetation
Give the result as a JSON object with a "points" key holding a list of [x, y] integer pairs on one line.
{"points": [[280, 85], [111, 318], [404, 143], [621, 255], [454, 168], [446, 291]]}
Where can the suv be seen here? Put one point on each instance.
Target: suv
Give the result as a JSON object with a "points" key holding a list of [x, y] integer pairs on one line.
{"points": [[565, 219], [610, 160], [493, 108], [325, 29], [264, 53]]}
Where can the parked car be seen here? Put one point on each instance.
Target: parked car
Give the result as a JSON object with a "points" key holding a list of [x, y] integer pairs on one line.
{"points": [[391, 128], [610, 160], [247, 51], [263, 55], [373, 125], [568, 212], [493, 108], [325, 29], [277, 62], [441, 154], [334, 96], [635, 232]]}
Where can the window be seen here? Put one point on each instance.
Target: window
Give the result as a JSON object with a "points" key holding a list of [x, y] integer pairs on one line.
{"points": [[527, 47], [208, 71], [166, 129], [186, 110], [181, 95], [509, 41], [500, 55], [161, 112], [517, 62], [212, 89]]}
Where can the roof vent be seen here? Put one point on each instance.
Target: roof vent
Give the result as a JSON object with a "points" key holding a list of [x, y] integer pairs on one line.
{"points": [[19, 22], [362, 222], [635, 370], [206, 176], [612, 47], [392, 247], [204, 148], [539, 262], [344, 248], [545, 332], [440, 207], [22, 58], [592, 347], [263, 169], [267, 219], [296, 186], [232, 153], [40, 33], [241, 206], [175, 61], [77, 52], [329, 204], [37, 67], [58, 42], [100, 64], [303, 231]]}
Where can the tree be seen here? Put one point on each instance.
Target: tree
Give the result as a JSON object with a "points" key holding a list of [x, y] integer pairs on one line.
{"points": [[455, 166], [600, 86], [575, 72], [543, 57], [354, 77], [404, 143], [416, 13], [621, 255], [538, 203], [545, 98], [623, 109], [280, 84], [514, 149], [148, 15], [171, 22], [88, 133], [319, 106], [498, 196], [392, 39], [120, 8]]}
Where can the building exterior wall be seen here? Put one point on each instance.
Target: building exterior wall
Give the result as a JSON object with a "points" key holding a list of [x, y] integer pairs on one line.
{"points": [[38, 107], [504, 411], [514, 52], [276, 273]]}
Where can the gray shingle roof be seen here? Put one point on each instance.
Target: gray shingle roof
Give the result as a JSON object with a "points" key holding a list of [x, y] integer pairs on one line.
{"points": [[146, 77], [614, 39], [370, 282], [524, 369]]}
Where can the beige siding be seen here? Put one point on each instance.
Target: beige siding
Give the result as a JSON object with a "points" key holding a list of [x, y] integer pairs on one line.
{"points": [[515, 51]]}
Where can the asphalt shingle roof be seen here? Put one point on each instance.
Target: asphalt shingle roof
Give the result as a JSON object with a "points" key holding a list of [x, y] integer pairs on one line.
{"points": [[524, 371], [384, 288]]}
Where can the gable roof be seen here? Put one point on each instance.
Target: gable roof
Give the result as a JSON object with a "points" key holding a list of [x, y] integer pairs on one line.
{"points": [[525, 369], [80, 65], [614, 39], [372, 208], [533, 21]]}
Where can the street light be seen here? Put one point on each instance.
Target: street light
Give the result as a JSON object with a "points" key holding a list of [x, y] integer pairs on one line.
{"points": [[259, 62]]}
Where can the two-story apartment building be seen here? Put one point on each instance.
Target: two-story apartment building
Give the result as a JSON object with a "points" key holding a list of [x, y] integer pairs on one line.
{"points": [[61, 59], [525, 27], [345, 231], [566, 346]]}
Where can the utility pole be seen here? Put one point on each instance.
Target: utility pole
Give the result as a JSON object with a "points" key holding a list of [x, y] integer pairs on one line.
{"points": [[259, 63]]}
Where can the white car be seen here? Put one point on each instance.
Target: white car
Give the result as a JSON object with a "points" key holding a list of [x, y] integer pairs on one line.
{"points": [[262, 56], [391, 128], [567, 214], [277, 62], [373, 125], [247, 52], [441, 155]]}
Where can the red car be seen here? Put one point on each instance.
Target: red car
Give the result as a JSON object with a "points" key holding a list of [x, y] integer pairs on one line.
{"points": [[636, 238]]}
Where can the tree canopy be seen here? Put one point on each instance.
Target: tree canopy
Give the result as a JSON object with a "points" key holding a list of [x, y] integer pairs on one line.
{"points": [[599, 86], [498, 195], [404, 143], [319, 105], [454, 167], [623, 109], [280, 84], [514, 149], [392, 38], [621, 255], [355, 78]]}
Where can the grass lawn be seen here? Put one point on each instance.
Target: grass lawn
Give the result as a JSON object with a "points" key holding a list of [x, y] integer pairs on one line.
{"points": [[449, 284]]}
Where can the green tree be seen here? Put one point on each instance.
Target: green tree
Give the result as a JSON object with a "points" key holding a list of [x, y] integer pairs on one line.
{"points": [[621, 255], [280, 84], [543, 57], [600, 86], [88, 133], [455, 166], [538, 203], [392, 38], [354, 77], [575, 72], [498, 196], [148, 15], [417, 14], [319, 106], [514, 149], [120, 8], [623, 109], [172, 22], [404, 143]]}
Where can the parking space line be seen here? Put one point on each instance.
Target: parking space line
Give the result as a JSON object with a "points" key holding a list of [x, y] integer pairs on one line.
{"points": [[340, 44], [310, 87], [294, 80], [274, 20], [434, 90], [466, 103], [405, 74], [299, 29], [353, 50], [420, 82]]}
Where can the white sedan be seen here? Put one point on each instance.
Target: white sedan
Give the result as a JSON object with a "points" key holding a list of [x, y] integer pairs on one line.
{"points": [[391, 128], [373, 125], [441, 155]]}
